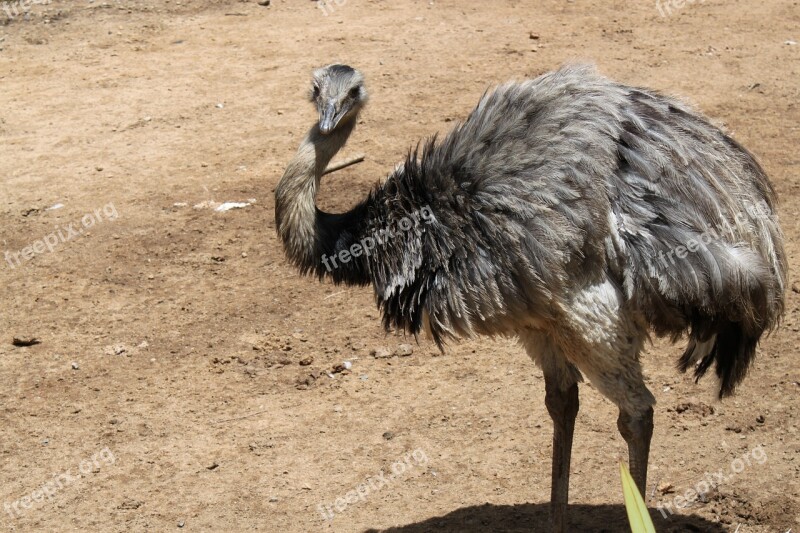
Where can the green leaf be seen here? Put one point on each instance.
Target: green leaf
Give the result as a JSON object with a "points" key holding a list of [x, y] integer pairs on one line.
{"points": [[638, 516]]}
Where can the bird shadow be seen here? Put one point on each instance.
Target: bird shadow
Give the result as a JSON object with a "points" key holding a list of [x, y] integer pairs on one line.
{"points": [[534, 518]]}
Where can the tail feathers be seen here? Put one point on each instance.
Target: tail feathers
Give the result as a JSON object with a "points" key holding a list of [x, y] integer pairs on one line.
{"points": [[730, 348]]}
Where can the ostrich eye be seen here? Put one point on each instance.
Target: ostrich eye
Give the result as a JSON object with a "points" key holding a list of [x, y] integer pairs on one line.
{"points": [[354, 92], [316, 91]]}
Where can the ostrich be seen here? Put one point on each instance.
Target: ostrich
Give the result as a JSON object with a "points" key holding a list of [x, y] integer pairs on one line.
{"points": [[569, 211]]}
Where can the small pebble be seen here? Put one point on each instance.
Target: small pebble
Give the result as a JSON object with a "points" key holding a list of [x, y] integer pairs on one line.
{"points": [[75, 366], [666, 488], [264, 3], [404, 350], [181, 523], [380, 352], [388, 435]]}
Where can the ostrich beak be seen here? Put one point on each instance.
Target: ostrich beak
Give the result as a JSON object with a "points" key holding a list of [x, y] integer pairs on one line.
{"points": [[327, 120]]}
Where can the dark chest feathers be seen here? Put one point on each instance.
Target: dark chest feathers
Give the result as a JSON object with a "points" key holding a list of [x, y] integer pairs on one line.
{"points": [[460, 263]]}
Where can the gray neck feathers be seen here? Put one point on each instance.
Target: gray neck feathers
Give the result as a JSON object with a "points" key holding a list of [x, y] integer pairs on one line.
{"points": [[295, 197]]}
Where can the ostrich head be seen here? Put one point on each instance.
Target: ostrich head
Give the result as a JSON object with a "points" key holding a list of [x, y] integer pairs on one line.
{"points": [[339, 94]]}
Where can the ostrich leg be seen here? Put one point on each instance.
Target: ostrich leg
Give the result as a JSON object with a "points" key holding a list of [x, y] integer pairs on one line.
{"points": [[562, 404], [637, 430]]}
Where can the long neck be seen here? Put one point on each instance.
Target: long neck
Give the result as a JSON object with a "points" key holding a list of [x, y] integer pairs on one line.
{"points": [[306, 232]]}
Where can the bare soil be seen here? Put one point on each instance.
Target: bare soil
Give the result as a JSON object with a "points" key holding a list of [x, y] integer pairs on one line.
{"points": [[182, 375]]}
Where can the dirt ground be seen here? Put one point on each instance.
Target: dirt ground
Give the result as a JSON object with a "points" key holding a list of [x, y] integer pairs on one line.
{"points": [[186, 376]]}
